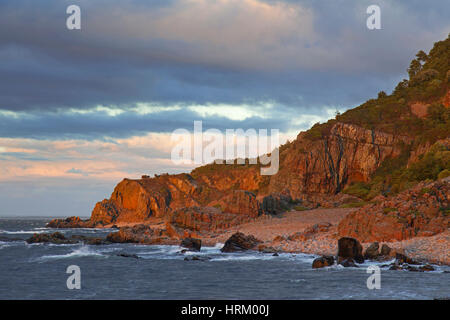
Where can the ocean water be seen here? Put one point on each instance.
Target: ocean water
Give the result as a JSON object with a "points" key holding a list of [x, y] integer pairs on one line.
{"points": [[38, 271]]}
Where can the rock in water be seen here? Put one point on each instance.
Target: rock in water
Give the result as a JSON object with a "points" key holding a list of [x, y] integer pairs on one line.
{"points": [[349, 248], [240, 242], [401, 259], [385, 250], [128, 255], [191, 244], [197, 258], [348, 263], [372, 251], [136, 234], [426, 267], [324, 261], [70, 222], [57, 238]]}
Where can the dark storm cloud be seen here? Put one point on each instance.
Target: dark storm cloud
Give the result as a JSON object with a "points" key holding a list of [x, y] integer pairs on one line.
{"points": [[99, 124], [166, 53]]}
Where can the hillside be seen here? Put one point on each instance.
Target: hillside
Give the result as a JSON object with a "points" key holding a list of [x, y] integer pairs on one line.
{"points": [[380, 148]]}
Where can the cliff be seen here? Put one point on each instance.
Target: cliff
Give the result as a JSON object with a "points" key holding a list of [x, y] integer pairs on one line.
{"points": [[383, 147]]}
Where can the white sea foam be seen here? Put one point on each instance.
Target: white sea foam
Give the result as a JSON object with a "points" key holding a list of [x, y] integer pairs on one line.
{"points": [[83, 251], [22, 231]]}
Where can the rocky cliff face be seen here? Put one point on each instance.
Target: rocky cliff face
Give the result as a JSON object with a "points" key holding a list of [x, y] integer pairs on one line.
{"points": [[313, 171], [347, 154]]}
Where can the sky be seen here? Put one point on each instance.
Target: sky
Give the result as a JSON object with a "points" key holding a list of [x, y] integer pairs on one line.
{"points": [[82, 109]]}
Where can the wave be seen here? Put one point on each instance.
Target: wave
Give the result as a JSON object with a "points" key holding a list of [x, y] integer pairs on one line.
{"points": [[22, 231], [84, 251]]}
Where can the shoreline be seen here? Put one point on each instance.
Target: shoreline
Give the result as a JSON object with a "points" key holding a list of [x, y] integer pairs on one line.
{"points": [[293, 232]]}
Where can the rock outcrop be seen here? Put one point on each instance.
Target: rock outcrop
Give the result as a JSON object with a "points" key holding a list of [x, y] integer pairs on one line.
{"points": [[349, 249], [71, 222], [191, 244], [311, 173], [347, 154], [420, 211], [59, 238], [372, 252], [191, 221], [324, 261], [142, 234], [56, 238]]}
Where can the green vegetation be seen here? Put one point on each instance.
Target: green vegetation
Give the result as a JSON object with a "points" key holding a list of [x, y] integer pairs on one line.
{"points": [[444, 174], [394, 176], [429, 81]]}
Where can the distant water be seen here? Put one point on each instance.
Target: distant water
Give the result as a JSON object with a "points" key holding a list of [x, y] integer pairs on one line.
{"points": [[38, 271]]}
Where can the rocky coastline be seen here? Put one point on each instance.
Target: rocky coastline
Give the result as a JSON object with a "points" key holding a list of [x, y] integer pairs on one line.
{"points": [[390, 222]]}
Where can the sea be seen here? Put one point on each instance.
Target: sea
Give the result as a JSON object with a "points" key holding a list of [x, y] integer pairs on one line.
{"points": [[40, 271]]}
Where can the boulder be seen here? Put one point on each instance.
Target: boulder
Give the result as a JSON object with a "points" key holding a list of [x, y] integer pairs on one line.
{"points": [[240, 242], [324, 261], [372, 251], [385, 250], [349, 248], [191, 244], [276, 203]]}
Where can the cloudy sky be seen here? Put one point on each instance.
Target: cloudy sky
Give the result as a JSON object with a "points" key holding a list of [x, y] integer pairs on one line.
{"points": [[82, 109]]}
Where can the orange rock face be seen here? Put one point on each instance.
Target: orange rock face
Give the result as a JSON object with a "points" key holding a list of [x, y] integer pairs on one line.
{"points": [[420, 211], [311, 173], [348, 154], [188, 222]]}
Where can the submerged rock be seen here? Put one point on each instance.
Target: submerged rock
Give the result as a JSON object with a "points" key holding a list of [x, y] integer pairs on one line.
{"points": [[426, 267], [197, 258], [128, 255], [56, 238], [324, 261]]}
